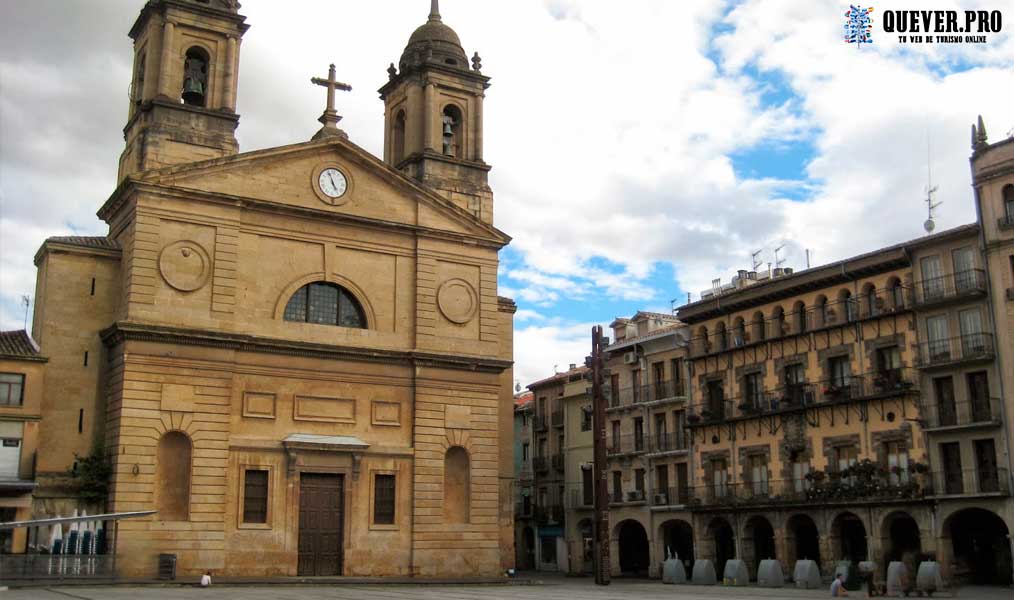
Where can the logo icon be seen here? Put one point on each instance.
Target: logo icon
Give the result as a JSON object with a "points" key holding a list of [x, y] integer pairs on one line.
{"points": [[858, 25]]}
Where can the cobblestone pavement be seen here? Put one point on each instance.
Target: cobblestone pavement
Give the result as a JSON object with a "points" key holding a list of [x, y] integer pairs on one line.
{"points": [[548, 589]]}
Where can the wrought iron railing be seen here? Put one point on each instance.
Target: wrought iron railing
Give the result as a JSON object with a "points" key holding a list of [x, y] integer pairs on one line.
{"points": [[897, 485], [842, 389], [950, 286], [967, 412], [56, 567], [971, 346], [669, 442], [988, 480]]}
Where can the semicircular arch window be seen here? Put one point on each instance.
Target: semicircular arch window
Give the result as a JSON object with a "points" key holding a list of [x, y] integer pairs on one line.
{"points": [[325, 304]]}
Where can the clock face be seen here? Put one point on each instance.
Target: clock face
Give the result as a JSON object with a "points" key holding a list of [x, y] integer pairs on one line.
{"points": [[333, 183]]}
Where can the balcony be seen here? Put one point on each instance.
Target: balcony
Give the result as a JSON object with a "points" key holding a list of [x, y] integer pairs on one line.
{"points": [[831, 489], [1005, 222], [635, 496], [522, 510], [559, 463], [978, 412], [799, 396], [540, 423], [556, 513], [525, 476], [668, 442], [952, 287], [625, 444], [671, 496], [955, 350], [659, 391], [870, 305], [972, 482], [540, 464], [557, 418]]}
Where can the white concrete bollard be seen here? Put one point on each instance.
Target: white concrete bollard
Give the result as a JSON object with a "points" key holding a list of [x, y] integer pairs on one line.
{"points": [[770, 574], [736, 573], [704, 572], [807, 575]]}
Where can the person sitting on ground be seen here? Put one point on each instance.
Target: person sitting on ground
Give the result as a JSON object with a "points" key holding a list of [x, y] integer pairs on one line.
{"points": [[838, 586], [206, 579]]}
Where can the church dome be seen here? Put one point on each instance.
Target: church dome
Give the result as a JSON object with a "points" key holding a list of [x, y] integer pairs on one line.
{"points": [[436, 41]]}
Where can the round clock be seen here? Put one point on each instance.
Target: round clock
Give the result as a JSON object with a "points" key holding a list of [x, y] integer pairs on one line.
{"points": [[332, 183]]}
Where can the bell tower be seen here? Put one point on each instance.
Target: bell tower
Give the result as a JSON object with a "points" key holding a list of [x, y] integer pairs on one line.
{"points": [[183, 92], [433, 116]]}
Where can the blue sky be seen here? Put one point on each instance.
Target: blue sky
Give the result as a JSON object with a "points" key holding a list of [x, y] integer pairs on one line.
{"points": [[638, 150]]}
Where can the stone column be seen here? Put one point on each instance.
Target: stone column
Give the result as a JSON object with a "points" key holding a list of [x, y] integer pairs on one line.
{"points": [[428, 116], [165, 66], [229, 77], [477, 143]]}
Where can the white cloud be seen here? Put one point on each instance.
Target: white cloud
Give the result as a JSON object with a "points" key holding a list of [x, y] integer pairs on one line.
{"points": [[612, 130]]}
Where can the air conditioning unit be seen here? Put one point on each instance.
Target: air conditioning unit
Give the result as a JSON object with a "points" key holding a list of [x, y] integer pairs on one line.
{"points": [[635, 496], [661, 499], [629, 358]]}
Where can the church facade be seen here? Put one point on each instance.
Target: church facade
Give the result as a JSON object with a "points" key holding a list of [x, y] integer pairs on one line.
{"points": [[296, 355]]}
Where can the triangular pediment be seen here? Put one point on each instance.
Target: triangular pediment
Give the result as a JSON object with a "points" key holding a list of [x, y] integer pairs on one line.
{"points": [[289, 175]]}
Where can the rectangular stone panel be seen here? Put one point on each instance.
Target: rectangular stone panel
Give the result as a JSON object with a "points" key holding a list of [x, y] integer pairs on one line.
{"points": [[319, 408], [259, 405], [386, 413], [457, 417]]}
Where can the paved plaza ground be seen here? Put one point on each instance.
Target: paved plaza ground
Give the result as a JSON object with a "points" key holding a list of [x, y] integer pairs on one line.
{"points": [[548, 589]]}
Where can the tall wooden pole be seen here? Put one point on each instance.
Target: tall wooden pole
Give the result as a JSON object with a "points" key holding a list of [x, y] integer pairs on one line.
{"points": [[601, 532]]}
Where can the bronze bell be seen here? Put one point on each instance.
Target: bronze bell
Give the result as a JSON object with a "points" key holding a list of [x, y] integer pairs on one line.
{"points": [[448, 131], [193, 91]]}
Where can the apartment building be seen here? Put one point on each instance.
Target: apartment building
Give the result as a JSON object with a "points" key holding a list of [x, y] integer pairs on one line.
{"points": [[548, 435], [524, 531], [648, 443]]}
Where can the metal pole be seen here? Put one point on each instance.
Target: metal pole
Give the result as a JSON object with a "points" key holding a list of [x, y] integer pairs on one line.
{"points": [[601, 540]]}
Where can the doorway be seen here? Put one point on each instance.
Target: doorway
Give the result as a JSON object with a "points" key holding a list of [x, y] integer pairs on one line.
{"points": [[321, 518]]}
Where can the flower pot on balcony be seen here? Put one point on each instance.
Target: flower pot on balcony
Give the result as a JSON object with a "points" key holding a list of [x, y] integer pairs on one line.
{"points": [[693, 418]]}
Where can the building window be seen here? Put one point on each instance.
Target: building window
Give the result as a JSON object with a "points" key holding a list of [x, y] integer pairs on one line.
{"points": [[897, 462], [383, 499], [1008, 202], [398, 145], [759, 474], [255, 496], [195, 77], [638, 434], [617, 486], [452, 140], [524, 451], [635, 385], [753, 392], [12, 387], [172, 476], [839, 367], [719, 477], [586, 418], [326, 304], [456, 485], [616, 436], [639, 480]]}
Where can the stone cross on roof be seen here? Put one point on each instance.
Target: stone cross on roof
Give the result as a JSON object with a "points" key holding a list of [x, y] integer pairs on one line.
{"points": [[330, 117]]}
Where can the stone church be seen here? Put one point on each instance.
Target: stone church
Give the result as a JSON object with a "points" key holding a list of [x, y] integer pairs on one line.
{"points": [[296, 355]]}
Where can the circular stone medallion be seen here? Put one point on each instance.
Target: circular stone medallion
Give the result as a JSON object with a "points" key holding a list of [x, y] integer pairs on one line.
{"points": [[457, 301], [185, 265]]}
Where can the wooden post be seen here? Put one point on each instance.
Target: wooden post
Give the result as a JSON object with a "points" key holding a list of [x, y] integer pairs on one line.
{"points": [[601, 530]]}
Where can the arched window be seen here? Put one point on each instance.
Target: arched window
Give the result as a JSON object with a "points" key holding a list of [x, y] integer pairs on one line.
{"points": [[398, 142], [821, 313], [848, 304], [896, 293], [778, 327], [326, 304], [195, 77], [453, 141], [738, 332], [456, 477], [720, 337], [870, 300], [799, 316], [757, 325], [172, 477], [703, 344], [1008, 203]]}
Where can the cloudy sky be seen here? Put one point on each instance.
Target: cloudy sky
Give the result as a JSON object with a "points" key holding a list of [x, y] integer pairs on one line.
{"points": [[640, 149]]}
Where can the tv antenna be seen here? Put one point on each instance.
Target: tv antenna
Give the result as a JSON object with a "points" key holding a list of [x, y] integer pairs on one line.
{"points": [[779, 261], [753, 259], [931, 189]]}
